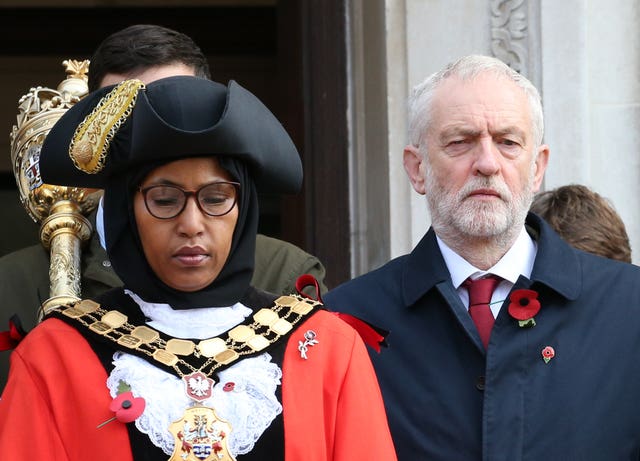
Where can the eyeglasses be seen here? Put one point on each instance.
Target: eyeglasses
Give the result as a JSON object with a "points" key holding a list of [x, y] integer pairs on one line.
{"points": [[166, 202]]}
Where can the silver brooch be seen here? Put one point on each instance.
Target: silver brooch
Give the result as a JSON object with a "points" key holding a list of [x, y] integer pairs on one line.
{"points": [[309, 340]]}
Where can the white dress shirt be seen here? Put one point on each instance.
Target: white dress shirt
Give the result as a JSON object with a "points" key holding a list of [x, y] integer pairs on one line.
{"points": [[517, 261]]}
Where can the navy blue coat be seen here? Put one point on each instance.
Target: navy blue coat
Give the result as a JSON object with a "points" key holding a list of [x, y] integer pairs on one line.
{"points": [[448, 400]]}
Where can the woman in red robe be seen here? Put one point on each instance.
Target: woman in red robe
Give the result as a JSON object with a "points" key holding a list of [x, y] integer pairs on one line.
{"points": [[187, 361]]}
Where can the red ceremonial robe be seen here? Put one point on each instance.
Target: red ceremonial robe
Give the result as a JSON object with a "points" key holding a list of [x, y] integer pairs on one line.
{"points": [[57, 395]]}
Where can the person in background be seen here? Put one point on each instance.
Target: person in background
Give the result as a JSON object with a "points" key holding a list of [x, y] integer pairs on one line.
{"points": [[186, 361], [146, 52], [505, 342], [585, 219]]}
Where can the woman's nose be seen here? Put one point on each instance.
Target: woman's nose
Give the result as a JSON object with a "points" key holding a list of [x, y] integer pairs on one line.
{"points": [[191, 220]]}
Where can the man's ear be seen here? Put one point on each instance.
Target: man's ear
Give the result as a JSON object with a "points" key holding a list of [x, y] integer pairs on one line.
{"points": [[541, 166], [414, 166]]}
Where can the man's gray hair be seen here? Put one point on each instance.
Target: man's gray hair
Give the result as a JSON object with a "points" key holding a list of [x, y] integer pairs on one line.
{"points": [[467, 68]]}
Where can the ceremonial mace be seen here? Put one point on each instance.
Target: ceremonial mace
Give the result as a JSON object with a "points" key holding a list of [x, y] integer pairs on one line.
{"points": [[59, 210]]}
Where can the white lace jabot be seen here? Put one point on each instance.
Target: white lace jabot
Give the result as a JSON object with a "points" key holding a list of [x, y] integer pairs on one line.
{"points": [[250, 407], [191, 323]]}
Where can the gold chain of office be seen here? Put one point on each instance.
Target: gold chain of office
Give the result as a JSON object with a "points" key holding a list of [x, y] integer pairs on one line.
{"points": [[266, 326]]}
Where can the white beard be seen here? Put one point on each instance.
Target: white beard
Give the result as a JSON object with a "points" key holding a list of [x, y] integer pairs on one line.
{"points": [[455, 215]]}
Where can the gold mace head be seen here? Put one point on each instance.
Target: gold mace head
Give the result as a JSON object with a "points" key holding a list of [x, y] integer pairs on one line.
{"points": [[38, 111]]}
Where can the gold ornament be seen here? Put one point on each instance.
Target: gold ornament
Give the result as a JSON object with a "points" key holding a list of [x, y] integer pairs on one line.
{"points": [[91, 140], [60, 210]]}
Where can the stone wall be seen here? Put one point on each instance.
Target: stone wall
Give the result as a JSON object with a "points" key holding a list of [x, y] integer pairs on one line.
{"points": [[584, 57]]}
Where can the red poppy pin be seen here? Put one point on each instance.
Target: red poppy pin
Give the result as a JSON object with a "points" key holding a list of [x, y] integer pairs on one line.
{"points": [[523, 306], [548, 353], [126, 407]]}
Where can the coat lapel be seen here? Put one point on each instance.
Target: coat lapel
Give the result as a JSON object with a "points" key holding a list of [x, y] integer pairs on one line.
{"points": [[425, 270], [556, 266]]}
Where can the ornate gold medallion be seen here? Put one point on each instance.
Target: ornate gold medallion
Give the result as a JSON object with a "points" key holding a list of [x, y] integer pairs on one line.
{"points": [[184, 356], [200, 436]]}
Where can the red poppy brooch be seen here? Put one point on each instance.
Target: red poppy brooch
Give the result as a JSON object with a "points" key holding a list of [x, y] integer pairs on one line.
{"points": [[126, 407], [548, 353], [523, 306]]}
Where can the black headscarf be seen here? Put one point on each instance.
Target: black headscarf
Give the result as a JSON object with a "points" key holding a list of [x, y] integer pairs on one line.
{"points": [[125, 251], [172, 119]]}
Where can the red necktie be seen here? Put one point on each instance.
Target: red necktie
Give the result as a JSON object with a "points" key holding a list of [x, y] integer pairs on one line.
{"points": [[480, 292]]}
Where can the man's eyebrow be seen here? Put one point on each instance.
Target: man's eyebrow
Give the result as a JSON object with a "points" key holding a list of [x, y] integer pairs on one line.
{"points": [[458, 131], [510, 130]]}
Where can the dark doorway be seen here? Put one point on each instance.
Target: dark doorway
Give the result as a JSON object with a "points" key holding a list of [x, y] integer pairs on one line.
{"points": [[290, 53]]}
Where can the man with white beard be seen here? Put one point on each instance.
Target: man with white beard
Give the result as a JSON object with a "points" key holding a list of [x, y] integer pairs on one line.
{"points": [[506, 343]]}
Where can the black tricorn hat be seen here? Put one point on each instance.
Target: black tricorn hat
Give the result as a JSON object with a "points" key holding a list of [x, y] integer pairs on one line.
{"points": [[120, 127]]}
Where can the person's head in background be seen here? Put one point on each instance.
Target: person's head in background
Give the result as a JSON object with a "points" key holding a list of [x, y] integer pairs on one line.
{"points": [[147, 52], [585, 220]]}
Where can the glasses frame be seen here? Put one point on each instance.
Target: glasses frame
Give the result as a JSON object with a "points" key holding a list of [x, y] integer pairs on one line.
{"points": [[187, 194]]}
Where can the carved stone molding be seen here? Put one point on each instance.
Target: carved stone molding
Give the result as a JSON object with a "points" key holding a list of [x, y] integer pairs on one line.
{"points": [[515, 36], [509, 32]]}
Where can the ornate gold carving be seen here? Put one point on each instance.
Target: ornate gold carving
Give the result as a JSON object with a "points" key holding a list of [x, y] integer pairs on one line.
{"points": [[241, 333], [146, 335], [38, 110], [90, 143], [226, 356], [62, 232], [100, 327], [183, 355], [87, 306], [58, 208], [258, 342], [200, 435], [72, 312], [65, 218], [286, 301], [211, 347], [180, 346], [165, 357], [281, 327], [114, 319], [265, 317], [129, 341], [301, 308], [76, 69]]}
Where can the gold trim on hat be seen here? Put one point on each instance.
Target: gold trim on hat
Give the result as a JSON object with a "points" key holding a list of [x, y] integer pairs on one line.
{"points": [[92, 138]]}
